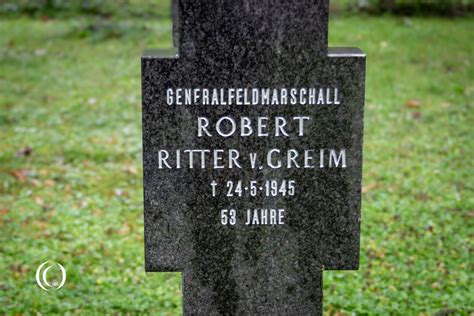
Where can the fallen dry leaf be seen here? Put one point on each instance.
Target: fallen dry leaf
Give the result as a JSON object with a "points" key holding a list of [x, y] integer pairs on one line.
{"points": [[40, 225], [370, 187], [4, 211], [413, 104], [124, 230], [131, 169], [111, 140], [120, 192], [35, 182], [39, 201], [49, 183], [19, 268], [21, 175]]}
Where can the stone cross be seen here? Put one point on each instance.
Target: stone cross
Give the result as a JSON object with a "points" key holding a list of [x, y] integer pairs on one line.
{"points": [[252, 155]]}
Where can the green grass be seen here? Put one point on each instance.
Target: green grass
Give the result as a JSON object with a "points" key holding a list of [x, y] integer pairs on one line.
{"points": [[70, 90]]}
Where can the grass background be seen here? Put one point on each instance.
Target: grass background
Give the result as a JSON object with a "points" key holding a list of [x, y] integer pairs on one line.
{"points": [[70, 166]]}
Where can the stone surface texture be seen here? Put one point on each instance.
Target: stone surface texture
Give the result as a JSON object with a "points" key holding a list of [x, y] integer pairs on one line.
{"points": [[250, 270]]}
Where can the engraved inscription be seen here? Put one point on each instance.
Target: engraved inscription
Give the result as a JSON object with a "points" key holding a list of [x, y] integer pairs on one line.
{"points": [[228, 126]]}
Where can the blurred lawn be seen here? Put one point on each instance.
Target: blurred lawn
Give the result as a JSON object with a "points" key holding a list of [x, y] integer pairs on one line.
{"points": [[70, 91]]}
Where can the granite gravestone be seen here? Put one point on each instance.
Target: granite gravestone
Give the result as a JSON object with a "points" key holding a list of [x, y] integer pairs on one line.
{"points": [[252, 153]]}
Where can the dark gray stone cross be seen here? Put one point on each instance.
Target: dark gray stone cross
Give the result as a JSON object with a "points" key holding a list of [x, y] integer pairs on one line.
{"points": [[252, 154]]}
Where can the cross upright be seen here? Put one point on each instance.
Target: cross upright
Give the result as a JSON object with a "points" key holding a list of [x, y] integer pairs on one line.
{"points": [[252, 154]]}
